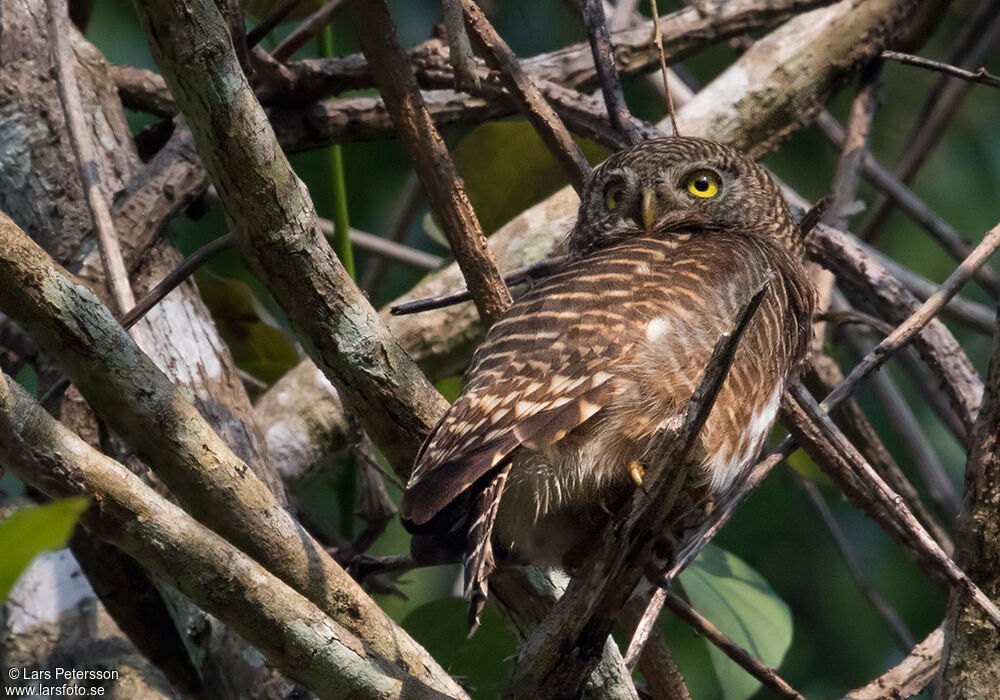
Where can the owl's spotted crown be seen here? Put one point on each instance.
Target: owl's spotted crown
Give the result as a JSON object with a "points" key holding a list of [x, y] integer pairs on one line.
{"points": [[680, 187]]}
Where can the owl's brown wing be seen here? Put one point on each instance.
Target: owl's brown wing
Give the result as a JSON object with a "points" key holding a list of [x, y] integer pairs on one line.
{"points": [[543, 370]]}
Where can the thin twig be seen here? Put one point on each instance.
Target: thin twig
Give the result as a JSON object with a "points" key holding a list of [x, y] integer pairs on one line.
{"points": [[915, 441], [847, 316], [607, 73], [852, 155], [961, 309], [899, 337], [257, 34], [980, 76], [463, 63], [957, 393], [944, 233], [854, 422], [529, 98], [444, 188], [939, 107], [658, 41], [659, 669], [852, 473], [174, 279], [303, 34], [83, 145], [404, 211], [521, 275], [768, 677], [854, 565], [909, 676]]}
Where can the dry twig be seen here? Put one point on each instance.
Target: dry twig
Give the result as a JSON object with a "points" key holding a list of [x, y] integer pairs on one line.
{"points": [[768, 677], [441, 181], [824, 442], [530, 99], [83, 145], [304, 33], [940, 106], [899, 337], [980, 76], [909, 676], [607, 73]]}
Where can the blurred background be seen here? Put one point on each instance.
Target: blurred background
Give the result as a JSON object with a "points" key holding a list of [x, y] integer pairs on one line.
{"points": [[775, 559]]}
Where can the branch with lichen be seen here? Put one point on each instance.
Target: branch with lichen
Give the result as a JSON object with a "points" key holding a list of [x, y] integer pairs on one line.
{"points": [[291, 632], [136, 399]]}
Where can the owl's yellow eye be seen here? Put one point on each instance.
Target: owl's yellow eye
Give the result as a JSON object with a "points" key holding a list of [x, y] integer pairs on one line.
{"points": [[703, 183], [612, 196]]}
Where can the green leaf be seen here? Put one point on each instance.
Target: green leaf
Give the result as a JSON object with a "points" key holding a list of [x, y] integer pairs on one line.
{"points": [[32, 530], [440, 626], [258, 343], [738, 601]]}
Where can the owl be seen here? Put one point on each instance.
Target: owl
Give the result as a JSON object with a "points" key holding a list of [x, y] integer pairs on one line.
{"points": [[571, 391]]}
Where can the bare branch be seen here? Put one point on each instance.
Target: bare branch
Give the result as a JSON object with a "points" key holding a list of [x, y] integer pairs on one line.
{"points": [[940, 106], [850, 556], [767, 676], [940, 230], [111, 255], [980, 76], [459, 50], [859, 125], [607, 73], [136, 399], [868, 284], [825, 443], [292, 632], [309, 28], [909, 676], [274, 223], [920, 318], [546, 122], [441, 181]]}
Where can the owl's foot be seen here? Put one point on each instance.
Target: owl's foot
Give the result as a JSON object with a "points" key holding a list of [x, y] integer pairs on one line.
{"points": [[636, 471]]}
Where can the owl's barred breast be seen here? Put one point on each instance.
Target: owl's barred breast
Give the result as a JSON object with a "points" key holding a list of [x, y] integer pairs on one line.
{"points": [[587, 368]]}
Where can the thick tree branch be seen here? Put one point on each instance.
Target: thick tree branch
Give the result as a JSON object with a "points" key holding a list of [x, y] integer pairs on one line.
{"points": [[274, 224], [970, 661], [909, 676], [293, 633], [142, 404]]}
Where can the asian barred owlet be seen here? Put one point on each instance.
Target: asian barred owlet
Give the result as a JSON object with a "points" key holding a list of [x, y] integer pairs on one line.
{"points": [[566, 396]]}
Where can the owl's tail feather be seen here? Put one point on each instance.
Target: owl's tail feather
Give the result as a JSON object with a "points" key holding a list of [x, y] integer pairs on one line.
{"points": [[478, 560]]}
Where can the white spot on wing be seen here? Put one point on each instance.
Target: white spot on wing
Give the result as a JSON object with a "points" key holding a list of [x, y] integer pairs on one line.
{"points": [[657, 328]]}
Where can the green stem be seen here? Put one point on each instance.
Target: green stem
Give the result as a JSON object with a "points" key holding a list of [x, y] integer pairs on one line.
{"points": [[341, 220]]}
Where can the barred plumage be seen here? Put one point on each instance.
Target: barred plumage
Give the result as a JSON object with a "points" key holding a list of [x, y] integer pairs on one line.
{"points": [[572, 386]]}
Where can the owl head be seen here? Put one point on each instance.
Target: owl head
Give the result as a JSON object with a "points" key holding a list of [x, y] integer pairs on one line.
{"points": [[680, 187]]}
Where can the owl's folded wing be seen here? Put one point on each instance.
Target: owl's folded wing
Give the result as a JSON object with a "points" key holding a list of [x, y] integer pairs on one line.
{"points": [[542, 371]]}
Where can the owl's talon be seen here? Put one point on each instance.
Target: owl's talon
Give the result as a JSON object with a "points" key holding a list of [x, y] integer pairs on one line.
{"points": [[636, 471]]}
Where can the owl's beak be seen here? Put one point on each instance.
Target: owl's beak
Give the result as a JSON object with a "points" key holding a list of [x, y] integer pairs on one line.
{"points": [[650, 208]]}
